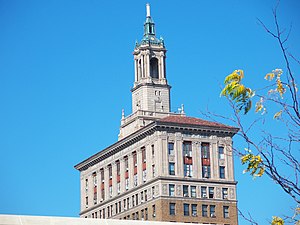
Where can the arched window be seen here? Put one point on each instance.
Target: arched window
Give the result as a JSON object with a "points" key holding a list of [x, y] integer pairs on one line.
{"points": [[154, 68]]}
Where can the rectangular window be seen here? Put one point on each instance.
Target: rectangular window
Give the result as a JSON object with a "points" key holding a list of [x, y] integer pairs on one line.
{"points": [[118, 168], [134, 159], [172, 208], [171, 189], [119, 188], [203, 192], [146, 214], [153, 192], [152, 150], [188, 170], [225, 193], [136, 199], [143, 154], [135, 180], [187, 148], [127, 183], [110, 191], [211, 191], [221, 152], [86, 185], [126, 163], [226, 211], [212, 210], [186, 209], [146, 197], [205, 151], [95, 179], [193, 191], [194, 209], [144, 176], [86, 201], [171, 148], [110, 171], [142, 214], [153, 170], [204, 210], [102, 175], [153, 211], [171, 168], [185, 191], [132, 201], [206, 171], [222, 172]]}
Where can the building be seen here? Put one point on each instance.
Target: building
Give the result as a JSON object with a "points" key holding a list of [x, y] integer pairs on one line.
{"points": [[165, 166]]}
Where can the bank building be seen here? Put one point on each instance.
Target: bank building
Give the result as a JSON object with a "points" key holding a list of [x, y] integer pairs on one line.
{"points": [[165, 166]]}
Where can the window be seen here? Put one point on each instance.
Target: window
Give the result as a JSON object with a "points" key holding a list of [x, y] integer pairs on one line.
{"points": [[203, 192], [135, 180], [136, 199], [132, 201], [86, 185], [204, 210], [194, 209], [185, 191], [144, 176], [152, 150], [225, 193], [171, 168], [171, 190], [142, 196], [102, 175], [146, 214], [171, 148], [188, 170], [187, 148], [153, 170], [211, 192], [172, 208], [153, 211], [110, 191], [127, 183], [95, 179], [222, 172], [206, 171], [143, 154], [110, 171], [212, 210], [221, 152], [186, 209], [103, 213], [126, 163], [86, 201], [153, 192], [226, 211], [119, 188], [193, 191], [142, 214], [118, 168], [134, 159], [205, 150], [146, 197]]}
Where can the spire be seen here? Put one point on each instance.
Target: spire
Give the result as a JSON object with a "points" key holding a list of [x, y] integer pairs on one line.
{"points": [[149, 26]]}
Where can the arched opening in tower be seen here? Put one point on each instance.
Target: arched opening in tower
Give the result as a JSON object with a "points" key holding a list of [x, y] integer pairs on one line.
{"points": [[154, 68]]}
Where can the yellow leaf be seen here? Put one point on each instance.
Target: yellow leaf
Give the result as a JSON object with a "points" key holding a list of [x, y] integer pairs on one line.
{"points": [[277, 221], [270, 76], [277, 115]]}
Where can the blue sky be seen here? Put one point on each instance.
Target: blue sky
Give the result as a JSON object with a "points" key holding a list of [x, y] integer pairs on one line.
{"points": [[66, 69]]}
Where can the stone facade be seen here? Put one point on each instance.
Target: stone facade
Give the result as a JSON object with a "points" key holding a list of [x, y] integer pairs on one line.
{"points": [[165, 166]]}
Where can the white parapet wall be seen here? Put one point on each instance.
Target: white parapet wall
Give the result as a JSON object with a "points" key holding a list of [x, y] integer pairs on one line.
{"points": [[49, 220]]}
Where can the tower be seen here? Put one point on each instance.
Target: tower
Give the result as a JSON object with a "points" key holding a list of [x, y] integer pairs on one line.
{"points": [[151, 91], [165, 166]]}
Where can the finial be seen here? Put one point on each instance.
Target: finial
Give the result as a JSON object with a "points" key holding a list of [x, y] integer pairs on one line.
{"points": [[182, 109], [123, 114], [148, 10]]}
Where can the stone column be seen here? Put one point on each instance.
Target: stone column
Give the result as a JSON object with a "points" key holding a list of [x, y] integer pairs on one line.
{"points": [[114, 179], [165, 158], [135, 69], [147, 66], [106, 182], [122, 176], [195, 156], [162, 65], [179, 155], [214, 161], [130, 170], [143, 65], [199, 161], [139, 166], [149, 161]]}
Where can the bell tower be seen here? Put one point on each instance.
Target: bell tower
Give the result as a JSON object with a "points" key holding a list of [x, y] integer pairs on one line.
{"points": [[150, 91]]}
